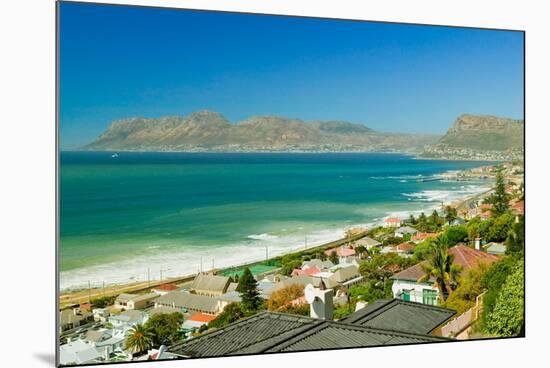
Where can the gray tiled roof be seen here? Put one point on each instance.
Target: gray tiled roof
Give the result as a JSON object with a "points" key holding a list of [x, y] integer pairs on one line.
{"points": [[211, 282], [399, 315], [345, 274], [367, 242], [275, 332], [179, 299]]}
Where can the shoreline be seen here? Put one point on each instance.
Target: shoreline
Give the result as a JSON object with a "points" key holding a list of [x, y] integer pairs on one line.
{"points": [[82, 292]]}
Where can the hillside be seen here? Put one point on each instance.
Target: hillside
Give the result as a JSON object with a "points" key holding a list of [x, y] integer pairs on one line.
{"points": [[211, 131], [484, 133], [481, 137]]}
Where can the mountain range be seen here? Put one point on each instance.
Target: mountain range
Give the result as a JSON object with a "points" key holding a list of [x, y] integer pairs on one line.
{"points": [[211, 131]]}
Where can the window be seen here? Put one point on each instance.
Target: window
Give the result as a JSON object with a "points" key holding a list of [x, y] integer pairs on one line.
{"points": [[429, 297]]}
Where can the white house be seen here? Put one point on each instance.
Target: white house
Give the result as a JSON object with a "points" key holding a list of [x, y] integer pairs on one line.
{"points": [[126, 320], [78, 352], [392, 222], [405, 230], [406, 286]]}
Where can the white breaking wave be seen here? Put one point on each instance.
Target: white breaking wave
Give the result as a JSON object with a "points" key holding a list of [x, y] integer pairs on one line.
{"points": [[187, 260], [263, 236]]}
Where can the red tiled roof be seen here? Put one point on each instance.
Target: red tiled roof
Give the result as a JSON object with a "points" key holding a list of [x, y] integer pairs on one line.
{"points": [[307, 272], [341, 252], [519, 207], [201, 317], [464, 256], [166, 287], [406, 247]]}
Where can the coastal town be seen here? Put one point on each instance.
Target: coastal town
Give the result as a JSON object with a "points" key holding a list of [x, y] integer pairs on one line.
{"points": [[453, 274]]}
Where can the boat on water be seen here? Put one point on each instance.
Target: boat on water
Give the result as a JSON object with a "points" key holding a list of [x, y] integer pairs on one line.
{"points": [[114, 155]]}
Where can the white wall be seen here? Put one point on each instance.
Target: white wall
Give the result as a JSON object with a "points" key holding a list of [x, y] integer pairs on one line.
{"points": [[416, 289]]}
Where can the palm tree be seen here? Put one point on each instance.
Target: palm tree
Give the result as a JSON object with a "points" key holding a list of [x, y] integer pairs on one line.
{"points": [[361, 250], [140, 339], [440, 267]]}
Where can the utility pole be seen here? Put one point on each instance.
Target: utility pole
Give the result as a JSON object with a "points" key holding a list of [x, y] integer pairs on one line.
{"points": [[89, 293]]}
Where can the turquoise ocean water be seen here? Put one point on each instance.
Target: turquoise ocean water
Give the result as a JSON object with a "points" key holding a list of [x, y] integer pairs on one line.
{"points": [[125, 216]]}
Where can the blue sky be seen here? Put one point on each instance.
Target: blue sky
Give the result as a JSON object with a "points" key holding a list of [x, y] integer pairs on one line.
{"points": [[118, 62]]}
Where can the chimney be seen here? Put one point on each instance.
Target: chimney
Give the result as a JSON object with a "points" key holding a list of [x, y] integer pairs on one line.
{"points": [[477, 243], [320, 301]]}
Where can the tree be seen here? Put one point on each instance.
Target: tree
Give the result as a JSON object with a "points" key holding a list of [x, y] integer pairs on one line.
{"points": [[456, 234], [282, 297], [361, 251], [422, 222], [507, 316], [288, 267], [450, 214], [140, 339], [165, 328], [103, 301], [411, 220], [435, 220], [499, 199], [248, 289], [231, 313], [515, 242], [440, 266], [334, 257], [464, 296]]}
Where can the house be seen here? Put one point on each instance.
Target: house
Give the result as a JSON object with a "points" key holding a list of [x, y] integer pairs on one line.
{"points": [[406, 286], [406, 248], [196, 321], [78, 352], [392, 222], [210, 285], [135, 301], [72, 318], [101, 314], [271, 332], [341, 251], [307, 271], [188, 302], [317, 263], [396, 314], [420, 237], [344, 278], [495, 248], [164, 289], [106, 342], [367, 242], [405, 230], [126, 320]]}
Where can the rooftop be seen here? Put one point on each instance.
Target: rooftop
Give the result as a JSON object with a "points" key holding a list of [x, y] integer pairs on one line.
{"points": [[211, 282], [464, 256], [278, 332], [179, 299], [399, 315]]}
